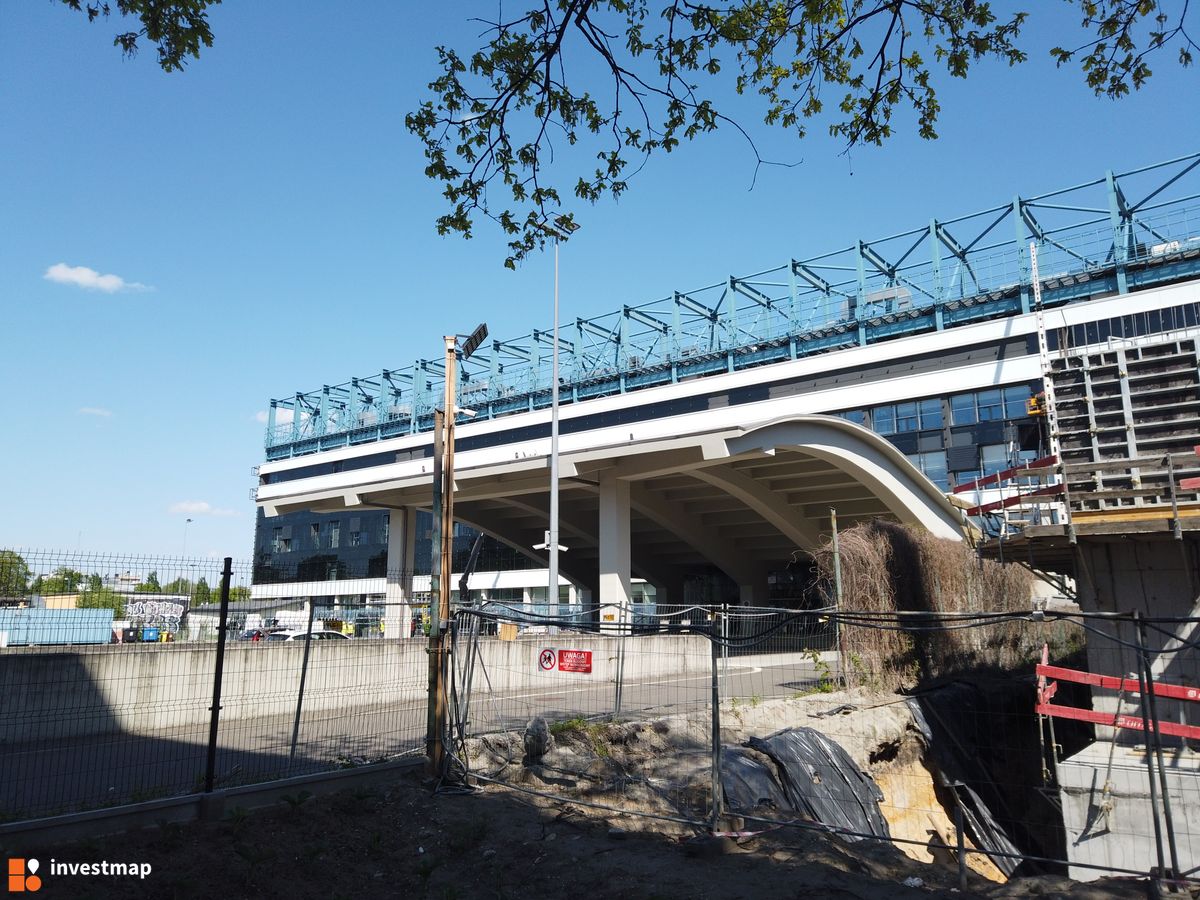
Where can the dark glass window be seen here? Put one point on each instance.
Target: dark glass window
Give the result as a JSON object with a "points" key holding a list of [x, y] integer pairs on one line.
{"points": [[883, 419], [1014, 401], [906, 417], [962, 410], [933, 466], [931, 413], [857, 416], [991, 405]]}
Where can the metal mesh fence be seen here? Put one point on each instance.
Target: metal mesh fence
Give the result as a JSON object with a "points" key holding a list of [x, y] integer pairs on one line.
{"points": [[109, 666], [1016, 743]]}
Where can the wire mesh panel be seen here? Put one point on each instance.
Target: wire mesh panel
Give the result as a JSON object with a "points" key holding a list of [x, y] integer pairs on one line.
{"points": [[297, 701], [108, 667], [106, 689], [991, 738], [993, 733], [605, 709]]}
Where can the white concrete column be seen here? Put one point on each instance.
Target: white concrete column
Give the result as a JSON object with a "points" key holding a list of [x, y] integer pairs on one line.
{"points": [[616, 590], [401, 554]]}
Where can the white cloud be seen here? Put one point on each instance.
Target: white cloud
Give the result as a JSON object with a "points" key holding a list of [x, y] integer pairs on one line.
{"points": [[90, 279], [198, 508], [282, 417], [94, 411]]}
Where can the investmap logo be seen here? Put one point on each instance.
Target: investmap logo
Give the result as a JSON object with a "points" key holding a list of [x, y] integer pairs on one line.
{"points": [[23, 877]]}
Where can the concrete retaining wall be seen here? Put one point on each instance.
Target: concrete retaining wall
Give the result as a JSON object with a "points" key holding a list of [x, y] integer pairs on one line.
{"points": [[1125, 838], [55, 693]]}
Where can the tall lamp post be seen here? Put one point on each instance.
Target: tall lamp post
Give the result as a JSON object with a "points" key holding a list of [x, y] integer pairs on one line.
{"points": [[443, 546], [186, 523], [562, 227]]}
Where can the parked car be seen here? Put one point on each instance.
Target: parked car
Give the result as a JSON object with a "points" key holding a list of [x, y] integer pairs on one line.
{"points": [[253, 634], [298, 634]]}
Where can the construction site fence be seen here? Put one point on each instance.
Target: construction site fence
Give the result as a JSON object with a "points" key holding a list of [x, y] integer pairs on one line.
{"points": [[1005, 743], [1037, 740], [125, 678]]}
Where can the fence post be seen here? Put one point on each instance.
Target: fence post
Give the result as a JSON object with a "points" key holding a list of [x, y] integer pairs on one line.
{"points": [[308, 639], [960, 837], [725, 639], [717, 804], [1154, 739], [210, 766], [837, 598], [625, 623], [1143, 688]]}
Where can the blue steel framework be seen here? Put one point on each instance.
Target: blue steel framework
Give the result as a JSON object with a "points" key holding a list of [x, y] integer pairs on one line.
{"points": [[1111, 235]]}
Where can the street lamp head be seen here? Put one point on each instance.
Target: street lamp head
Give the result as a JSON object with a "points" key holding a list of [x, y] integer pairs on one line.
{"points": [[561, 227], [474, 340]]}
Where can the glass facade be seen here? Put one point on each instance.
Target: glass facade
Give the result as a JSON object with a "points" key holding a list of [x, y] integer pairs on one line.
{"points": [[933, 467], [960, 437], [993, 405], [306, 546], [913, 415]]}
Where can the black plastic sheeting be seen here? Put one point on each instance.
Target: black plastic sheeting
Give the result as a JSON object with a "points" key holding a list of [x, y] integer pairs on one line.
{"points": [[813, 778], [955, 765]]}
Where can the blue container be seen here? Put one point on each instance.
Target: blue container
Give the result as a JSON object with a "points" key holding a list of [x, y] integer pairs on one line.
{"points": [[36, 626], [149, 635]]}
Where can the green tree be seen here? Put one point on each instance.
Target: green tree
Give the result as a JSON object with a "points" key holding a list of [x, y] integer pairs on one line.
{"points": [[64, 580], [178, 28], [105, 598], [620, 81], [95, 582], [203, 593], [150, 585], [14, 574], [178, 586], [237, 593]]}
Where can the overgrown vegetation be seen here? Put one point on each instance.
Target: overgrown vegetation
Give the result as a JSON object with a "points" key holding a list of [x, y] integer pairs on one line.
{"points": [[591, 733], [886, 568]]}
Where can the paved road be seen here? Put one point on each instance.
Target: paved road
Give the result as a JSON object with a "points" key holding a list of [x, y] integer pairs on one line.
{"points": [[73, 774]]}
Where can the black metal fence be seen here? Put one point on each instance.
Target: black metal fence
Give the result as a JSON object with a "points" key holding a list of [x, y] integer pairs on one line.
{"points": [[127, 679]]}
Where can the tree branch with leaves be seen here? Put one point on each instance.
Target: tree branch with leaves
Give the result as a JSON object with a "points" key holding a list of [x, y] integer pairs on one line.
{"points": [[622, 81], [630, 79]]}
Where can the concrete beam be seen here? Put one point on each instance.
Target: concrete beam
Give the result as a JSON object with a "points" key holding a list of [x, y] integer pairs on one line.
{"points": [[770, 506], [677, 520], [867, 458]]}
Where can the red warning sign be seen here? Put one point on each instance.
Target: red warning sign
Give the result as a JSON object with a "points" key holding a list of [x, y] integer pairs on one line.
{"points": [[546, 660], [575, 661]]}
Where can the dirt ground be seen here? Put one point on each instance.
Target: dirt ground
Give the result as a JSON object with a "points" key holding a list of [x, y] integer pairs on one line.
{"points": [[404, 840]]}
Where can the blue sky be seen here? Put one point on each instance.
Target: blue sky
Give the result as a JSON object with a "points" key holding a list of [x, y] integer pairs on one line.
{"points": [[269, 220]]}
